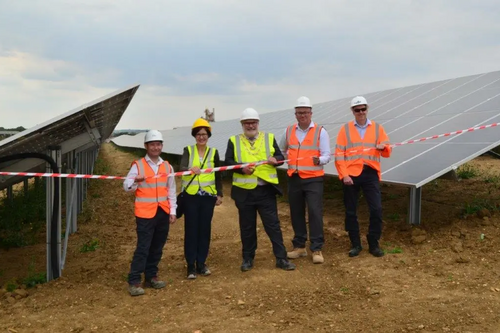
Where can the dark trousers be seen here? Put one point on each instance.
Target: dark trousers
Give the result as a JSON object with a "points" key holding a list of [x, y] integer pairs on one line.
{"points": [[368, 181], [198, 227], [151, 237], [301, 192], [262, 199]]}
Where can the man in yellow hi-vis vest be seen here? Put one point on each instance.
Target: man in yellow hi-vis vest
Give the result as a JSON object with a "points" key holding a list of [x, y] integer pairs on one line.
{"points": [[255, 188]]}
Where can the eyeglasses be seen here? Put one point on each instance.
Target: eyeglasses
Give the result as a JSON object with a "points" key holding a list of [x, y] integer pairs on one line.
{"points": [[250, 123], [360, 110], [201, 135], [302, 113]]}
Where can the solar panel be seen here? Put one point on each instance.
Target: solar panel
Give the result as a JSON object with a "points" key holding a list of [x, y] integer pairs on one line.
{"points": [[406, 113], [81, 128]]}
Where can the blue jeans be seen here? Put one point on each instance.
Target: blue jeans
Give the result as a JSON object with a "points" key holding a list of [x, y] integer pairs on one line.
{"points": [[151, 237]]}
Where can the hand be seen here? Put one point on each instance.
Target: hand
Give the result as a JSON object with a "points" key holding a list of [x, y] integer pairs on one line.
{"points": [[248, 170], [272, 160], [172, 219], [138, 179], [219, 201], [347, 180], [196, 170], [381, 146], [315, 160]]}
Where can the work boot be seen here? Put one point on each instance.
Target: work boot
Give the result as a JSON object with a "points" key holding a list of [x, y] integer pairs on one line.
{"points": [[355, 244], [373, 246], [154, 283], [135, 290], [246, 265], [203, 270], [318, 257], [285, 265], [297, 252]]}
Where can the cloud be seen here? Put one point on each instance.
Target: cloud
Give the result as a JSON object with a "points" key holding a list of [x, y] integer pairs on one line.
{"points": [[229, 54]]}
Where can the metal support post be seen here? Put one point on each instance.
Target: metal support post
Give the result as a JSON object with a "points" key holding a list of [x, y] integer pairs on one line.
{"points": [[55, 153], [415, 205]]}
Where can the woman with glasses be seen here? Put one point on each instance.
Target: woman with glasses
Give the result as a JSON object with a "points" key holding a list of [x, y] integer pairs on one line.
{"points": [[203, 193]]}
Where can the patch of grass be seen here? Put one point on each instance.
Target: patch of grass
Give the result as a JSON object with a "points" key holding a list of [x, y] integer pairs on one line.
{"points": [[344, 290], [394, 217], [478, 204], [393, 196], [492, 179], [11, 285], [467, 171], [23, 217], [90, 246], [402, 262], [450, 277], [394, 250], [34, 277]]}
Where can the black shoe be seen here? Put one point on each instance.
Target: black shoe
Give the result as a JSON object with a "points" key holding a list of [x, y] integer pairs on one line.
{"points": [[376, 252], [374, 248], [285, 264], [246, 265], [203, 270], [354, 251]]}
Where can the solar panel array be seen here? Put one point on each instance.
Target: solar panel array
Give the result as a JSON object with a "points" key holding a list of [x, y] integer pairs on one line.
{"points": [[84, 126], [406, 113]]}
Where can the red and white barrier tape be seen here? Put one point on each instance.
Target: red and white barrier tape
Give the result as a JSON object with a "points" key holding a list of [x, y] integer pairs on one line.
{"points": [[231, 167]]}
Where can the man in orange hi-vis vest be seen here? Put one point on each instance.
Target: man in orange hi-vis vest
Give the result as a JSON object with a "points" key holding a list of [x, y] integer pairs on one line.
{"points": [[307, 145], [360, 144], [155, 210]]}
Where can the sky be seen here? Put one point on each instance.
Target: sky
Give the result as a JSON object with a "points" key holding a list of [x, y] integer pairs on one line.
{"points": [[188, 55]]}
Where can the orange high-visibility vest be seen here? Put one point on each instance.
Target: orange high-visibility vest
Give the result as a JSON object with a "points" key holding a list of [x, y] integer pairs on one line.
{"points": [[307, 149], [349, 157], [152, 192]]}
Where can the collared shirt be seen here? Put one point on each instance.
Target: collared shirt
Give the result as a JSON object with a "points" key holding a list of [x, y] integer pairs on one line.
{"points": [[324, 142], [130, 186], [362, 128]]}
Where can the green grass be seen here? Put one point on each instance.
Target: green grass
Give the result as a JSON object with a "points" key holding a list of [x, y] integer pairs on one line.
{"points": [[467, 171], [23, 217], [11, 285], [478, 204], [392, 249], [90, 246], [34, 277], [344, 290], [394, 217]]}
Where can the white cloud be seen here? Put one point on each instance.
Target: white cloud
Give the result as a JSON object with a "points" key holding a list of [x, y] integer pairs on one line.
{"points": [[230, 54]]}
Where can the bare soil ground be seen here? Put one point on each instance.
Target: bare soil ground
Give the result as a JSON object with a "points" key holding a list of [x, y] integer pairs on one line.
{"points": [[443, 276]]}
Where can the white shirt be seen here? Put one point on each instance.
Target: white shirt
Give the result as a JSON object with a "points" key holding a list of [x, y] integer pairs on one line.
{"points": [[130, 186], [324, 142], [362, 128]]}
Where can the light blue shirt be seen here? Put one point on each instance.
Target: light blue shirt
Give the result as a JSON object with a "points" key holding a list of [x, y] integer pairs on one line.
{"points": [[362, 128], [324, 142]]}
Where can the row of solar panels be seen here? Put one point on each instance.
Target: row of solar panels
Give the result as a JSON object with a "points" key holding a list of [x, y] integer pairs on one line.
{"points": [[406, 113]]}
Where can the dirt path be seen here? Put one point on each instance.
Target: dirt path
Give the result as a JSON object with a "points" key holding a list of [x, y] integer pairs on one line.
{"points": [[449, 281]]}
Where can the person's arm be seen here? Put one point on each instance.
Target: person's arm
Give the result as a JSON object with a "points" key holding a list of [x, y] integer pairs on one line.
{"points": [[229, 159], [278, 155], [218, 175], [129, 184], [184, 166], [283, 144], [340, 149], [172, 192], [324, 147], [384, 140]]}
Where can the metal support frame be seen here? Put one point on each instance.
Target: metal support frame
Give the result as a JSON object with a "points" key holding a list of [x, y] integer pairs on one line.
{"points": [[10, 194], [55, 153], [26, 187], [415, 205]]}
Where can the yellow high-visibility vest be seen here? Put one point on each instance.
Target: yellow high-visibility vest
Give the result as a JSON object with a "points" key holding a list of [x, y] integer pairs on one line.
{"points": [[245, 152], [204, 181]]}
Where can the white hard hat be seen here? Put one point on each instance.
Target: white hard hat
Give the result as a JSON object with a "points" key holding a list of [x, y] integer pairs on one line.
{"points": [[248, 114], [303, 102], [153, 135], [358, 100]]}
